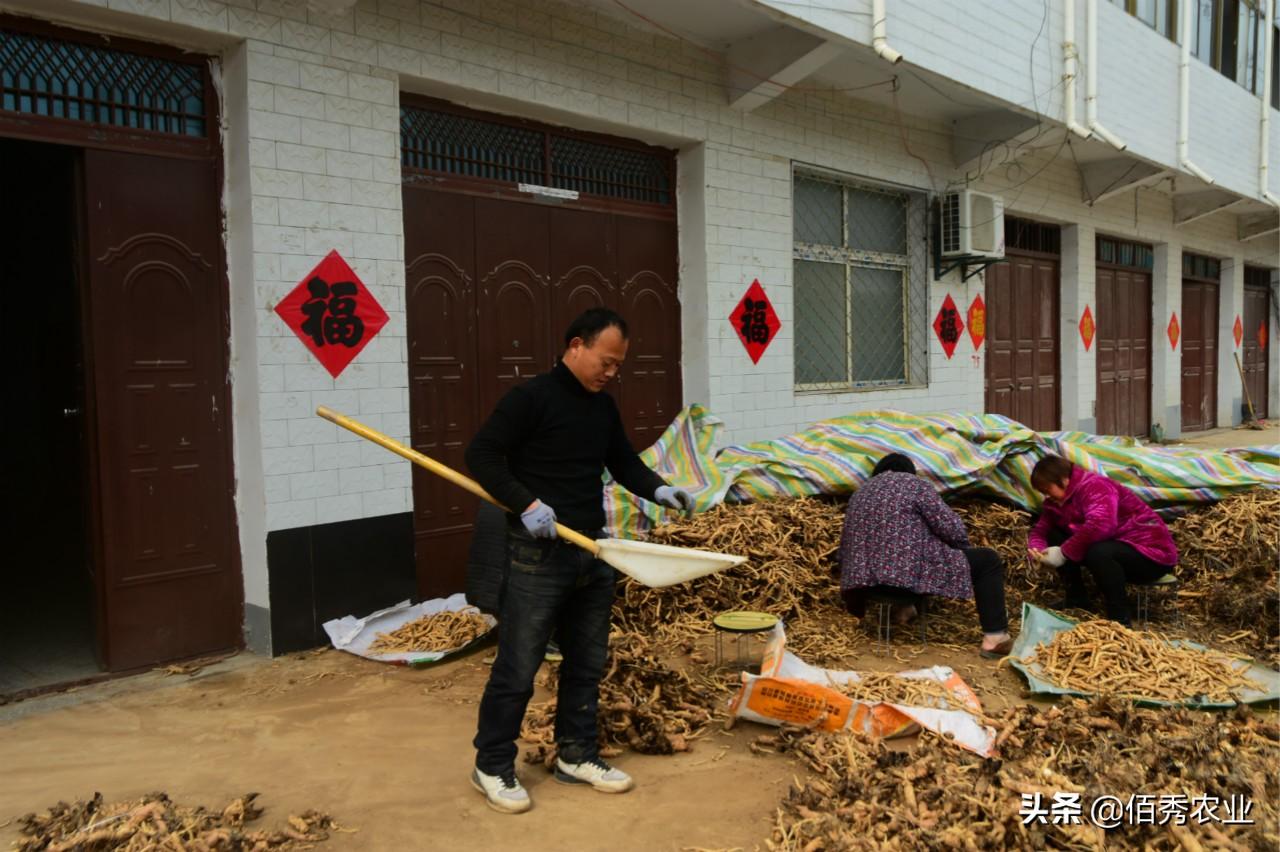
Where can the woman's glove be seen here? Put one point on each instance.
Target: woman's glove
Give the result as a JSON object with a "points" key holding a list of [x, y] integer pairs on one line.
{"points": [[540, 520], [1053, 556], [674, 498]]}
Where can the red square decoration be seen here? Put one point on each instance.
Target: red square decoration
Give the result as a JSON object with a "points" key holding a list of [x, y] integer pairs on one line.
{"points": [[333, 313], [948, 326], [1237, 331], [755, 321], [1174, 330]]}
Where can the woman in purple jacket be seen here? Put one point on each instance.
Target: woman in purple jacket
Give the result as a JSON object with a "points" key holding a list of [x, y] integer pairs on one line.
{"points": [[1089, 520], [899, 535]]}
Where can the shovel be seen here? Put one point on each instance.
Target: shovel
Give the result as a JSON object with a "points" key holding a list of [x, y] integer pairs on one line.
{"points": [[651, 564]]}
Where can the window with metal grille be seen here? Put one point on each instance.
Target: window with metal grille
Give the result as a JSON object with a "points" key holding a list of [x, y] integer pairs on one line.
{"points": [[92, 83], [1199, 266], [1026, 235], [477, 148], [861, 291], [1124, 253]]}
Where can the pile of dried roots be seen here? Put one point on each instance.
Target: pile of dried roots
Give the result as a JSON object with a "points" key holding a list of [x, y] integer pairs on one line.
{"points": [[645, 705], [790, 547], [1228, 565], [442, 631], [155, 822], [1106, 657], [862, 795]]}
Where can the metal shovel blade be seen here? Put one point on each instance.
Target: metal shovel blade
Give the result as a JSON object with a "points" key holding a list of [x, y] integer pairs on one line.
{"points": [[659, 565]]}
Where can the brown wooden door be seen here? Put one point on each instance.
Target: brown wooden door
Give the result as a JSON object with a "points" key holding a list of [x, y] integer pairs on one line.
{"points": [[170, 582], [1256, 342], [1199, 355], [513, 306], [1022, 340], [491, 286], [441, 314], [650, 382], [1124, 351]]}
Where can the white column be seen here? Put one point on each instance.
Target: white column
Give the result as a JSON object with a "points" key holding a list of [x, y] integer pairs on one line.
{"points": [[1230, 305], [1079, 367], [691, 199], [246, 378], [1166, 362]]}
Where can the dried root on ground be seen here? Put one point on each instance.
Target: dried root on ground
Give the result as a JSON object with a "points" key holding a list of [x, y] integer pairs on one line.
{"points": [[1228, 565], [155, 822], [442, 631], [1108, 658], [878, 687], [862, 795], [790, 547], [645, 705]]}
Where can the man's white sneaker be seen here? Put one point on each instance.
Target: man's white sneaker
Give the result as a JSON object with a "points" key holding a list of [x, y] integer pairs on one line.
{"points": [[597, 773], [502, 792]]}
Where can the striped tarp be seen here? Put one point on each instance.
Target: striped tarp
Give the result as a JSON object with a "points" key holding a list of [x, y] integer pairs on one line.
{"points": [[983, 455]]}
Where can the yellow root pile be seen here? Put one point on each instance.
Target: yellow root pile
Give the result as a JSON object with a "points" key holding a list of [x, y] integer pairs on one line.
{"points": [[1107, 658], [443, 631]]}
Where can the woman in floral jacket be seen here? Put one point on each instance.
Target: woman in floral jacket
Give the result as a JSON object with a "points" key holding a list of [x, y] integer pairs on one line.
{"points": [[1091, 521], [899, 535]]}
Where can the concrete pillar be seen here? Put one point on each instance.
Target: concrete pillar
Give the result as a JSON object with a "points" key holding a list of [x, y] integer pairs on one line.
{"points": [[1230, 305], [1079, 366], [1273, 342], [691, 199], [246, 382], [1166, 361]]}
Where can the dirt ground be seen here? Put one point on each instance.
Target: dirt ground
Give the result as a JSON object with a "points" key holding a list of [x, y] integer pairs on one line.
{"points": [[386, 751], [1223, 439]]}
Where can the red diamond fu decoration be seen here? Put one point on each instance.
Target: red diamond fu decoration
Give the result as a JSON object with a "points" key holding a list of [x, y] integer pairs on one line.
{"points": [[1262, 335], [333, 313], [1237, 331], [977, 321], [948, 326], [1174, 330], [1087, 328], [755, 321]]}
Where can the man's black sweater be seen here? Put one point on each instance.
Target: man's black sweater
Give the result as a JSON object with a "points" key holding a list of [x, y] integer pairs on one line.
{"points": [[550, 439]]}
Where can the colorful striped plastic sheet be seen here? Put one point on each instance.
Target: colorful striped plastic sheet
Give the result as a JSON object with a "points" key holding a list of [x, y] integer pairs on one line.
{"points": [[983, 455]]}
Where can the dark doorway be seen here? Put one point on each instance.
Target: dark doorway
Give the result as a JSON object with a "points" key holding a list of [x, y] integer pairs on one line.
{"points": [[47, 609]]}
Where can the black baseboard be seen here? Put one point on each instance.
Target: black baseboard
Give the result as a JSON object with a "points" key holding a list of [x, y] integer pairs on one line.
{"points": [[330, 570]]}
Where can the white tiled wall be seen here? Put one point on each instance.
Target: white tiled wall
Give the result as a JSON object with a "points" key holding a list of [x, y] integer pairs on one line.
{"points": [[321, 95]]}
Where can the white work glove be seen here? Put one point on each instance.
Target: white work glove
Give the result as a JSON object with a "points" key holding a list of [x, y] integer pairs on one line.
{"points": [[540, 520], [674, 498], [1053, 556]]}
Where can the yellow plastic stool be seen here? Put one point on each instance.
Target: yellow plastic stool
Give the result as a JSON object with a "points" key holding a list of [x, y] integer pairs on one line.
{"points": [[741, 623]]}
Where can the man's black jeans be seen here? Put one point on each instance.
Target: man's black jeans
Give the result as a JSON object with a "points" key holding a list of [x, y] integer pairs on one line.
{"points": [[551, 586]]}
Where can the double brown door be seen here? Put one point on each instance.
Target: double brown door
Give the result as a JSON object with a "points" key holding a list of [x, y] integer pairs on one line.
{"points": [[1022, 340], [1256, 342], [1124, 350], [1199, 355], [168, 577], [491, 286]]}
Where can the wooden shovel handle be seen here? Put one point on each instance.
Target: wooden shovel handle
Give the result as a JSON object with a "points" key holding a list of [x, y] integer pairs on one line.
{"points": [[441, 470]]}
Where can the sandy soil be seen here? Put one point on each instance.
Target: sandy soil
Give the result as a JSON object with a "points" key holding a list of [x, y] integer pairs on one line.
{"points": [[386, 751]]}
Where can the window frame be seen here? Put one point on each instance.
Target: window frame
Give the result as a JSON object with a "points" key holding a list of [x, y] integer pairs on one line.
{"points": [[853, 258]]}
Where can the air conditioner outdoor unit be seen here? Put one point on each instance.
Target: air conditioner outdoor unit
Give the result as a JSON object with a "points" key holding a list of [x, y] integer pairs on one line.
{"points": [[972, 225]]}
